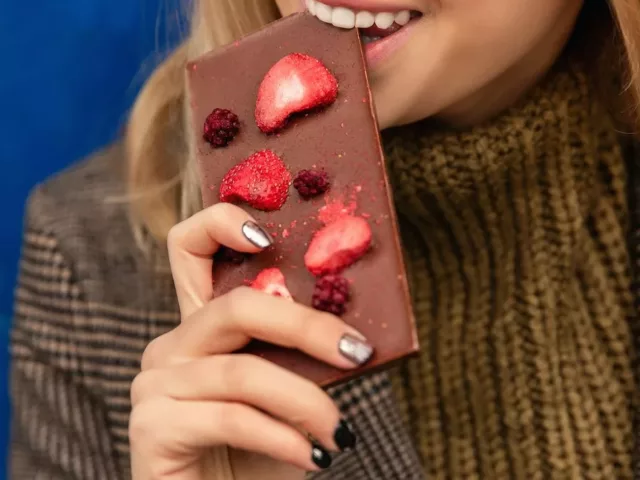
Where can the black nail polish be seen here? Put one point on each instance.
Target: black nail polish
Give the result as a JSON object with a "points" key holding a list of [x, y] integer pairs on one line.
{"points": [[320, 457], [344, 437]]}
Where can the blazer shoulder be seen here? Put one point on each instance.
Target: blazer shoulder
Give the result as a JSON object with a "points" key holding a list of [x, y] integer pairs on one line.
{"points": [[84, 210]]}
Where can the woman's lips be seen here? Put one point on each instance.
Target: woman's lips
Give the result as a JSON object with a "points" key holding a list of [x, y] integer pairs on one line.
{"points": [[383, 32], [380, 50]]}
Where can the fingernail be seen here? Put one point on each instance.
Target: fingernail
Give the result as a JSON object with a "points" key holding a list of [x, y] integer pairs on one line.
{"points": [[355, 349], [256, 235], [344, 437], [320, 457]]}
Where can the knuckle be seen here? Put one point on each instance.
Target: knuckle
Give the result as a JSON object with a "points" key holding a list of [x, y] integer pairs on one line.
{"points": [[142, 386], [231, 420], [145, 419], [235, 374], [301, 328], [220, 211], [241, 295], [175, 236], [152, 353], [315, 323], [237, 300], [138, 426]]}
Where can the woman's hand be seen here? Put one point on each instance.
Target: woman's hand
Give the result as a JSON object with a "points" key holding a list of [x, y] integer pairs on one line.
{"points": [[194, 397]]}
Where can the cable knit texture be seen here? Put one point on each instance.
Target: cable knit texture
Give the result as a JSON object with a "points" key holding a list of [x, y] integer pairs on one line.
{"points": [[515, 236]]}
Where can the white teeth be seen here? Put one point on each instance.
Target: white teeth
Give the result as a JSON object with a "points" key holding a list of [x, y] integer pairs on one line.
{"points": [[403, 17], [365, 19], [311, 6], [385, 20], [324, 12], [346, 18], [343, 17]]}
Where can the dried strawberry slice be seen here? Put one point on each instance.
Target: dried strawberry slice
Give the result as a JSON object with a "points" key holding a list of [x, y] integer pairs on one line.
{"points": [[295, 84], [262, 181], [338, 245]]}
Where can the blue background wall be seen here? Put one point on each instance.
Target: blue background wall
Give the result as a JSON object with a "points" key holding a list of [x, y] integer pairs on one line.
{"points": [[86, 61]]}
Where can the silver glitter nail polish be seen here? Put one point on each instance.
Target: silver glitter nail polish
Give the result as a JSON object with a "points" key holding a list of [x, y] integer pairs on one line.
{"points": [[355, 350], [256, 235]]}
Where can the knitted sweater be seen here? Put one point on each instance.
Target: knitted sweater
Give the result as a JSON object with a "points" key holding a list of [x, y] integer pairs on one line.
{"points": [[515, 235]]}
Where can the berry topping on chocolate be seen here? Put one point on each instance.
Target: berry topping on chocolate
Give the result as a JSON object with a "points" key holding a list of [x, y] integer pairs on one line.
{"points": [[331, 294], [338, 245], [271, 281], [220, 127], [262, 181], [229, 255], [311, 183], [295, 84]]}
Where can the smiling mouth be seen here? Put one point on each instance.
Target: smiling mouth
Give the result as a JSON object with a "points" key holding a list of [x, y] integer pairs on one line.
{"points": [[373, 26]]}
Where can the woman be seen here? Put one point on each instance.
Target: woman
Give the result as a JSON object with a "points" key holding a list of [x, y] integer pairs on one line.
{"points": [[514, 215]]}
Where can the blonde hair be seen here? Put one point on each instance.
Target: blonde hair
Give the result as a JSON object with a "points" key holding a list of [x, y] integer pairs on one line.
{"points": [[162, 182], [163, 187]]}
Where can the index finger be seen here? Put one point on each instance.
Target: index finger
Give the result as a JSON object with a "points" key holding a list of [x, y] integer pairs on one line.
{"points": [[193, 242]]}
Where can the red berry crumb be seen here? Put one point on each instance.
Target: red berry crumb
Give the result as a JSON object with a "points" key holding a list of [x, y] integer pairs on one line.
{"points": [[332, 294], [229, 255], [220, 127], [311, 183], [272, 281]]}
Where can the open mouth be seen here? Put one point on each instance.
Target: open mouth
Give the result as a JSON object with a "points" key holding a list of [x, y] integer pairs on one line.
{"points": [[373, 26]]}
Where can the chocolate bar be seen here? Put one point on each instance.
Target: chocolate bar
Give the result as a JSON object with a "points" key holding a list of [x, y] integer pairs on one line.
{"points": [[285, 127]]}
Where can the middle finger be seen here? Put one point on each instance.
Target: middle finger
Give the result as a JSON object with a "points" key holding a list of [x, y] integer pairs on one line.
{"points": [[228, 323]]}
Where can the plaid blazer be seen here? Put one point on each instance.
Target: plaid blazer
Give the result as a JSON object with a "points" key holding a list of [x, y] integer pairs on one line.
{"points": [[88, 303]]}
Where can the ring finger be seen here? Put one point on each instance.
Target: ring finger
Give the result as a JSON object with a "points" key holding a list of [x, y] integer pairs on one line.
{"points": [[207, 424], [253, 381]]}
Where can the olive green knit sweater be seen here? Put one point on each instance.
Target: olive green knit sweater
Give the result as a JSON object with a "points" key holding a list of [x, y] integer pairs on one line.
{"points": [[515, 233]]}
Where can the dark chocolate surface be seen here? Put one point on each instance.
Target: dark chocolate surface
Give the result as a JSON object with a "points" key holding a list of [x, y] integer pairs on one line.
{"points": [[342, 139]]}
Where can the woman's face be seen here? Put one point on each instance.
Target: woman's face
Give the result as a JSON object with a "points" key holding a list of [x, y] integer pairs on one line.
{"points": [[460, 60]]}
